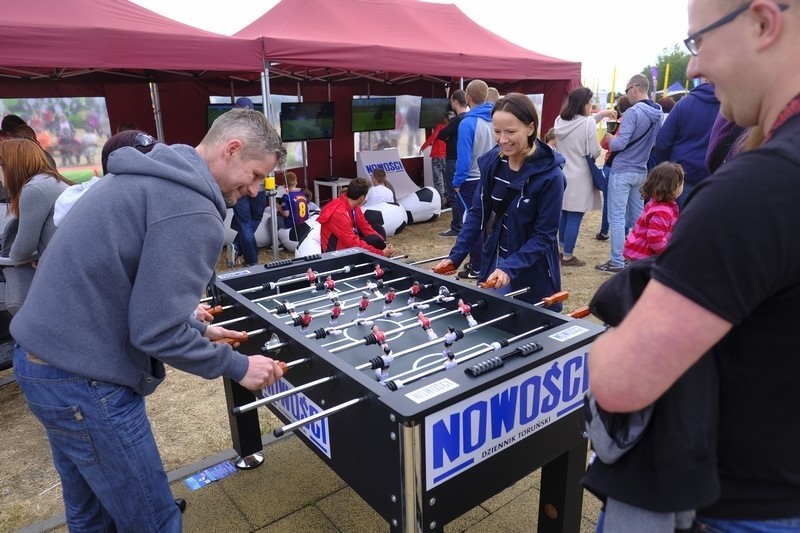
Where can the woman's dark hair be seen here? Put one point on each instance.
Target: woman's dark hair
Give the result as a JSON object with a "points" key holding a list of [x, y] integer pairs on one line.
{"points": [[622, 105], [138, 139], [22, 159], [662, 182], [666, 104], [10, 122], [521, 107], [576, 103]]}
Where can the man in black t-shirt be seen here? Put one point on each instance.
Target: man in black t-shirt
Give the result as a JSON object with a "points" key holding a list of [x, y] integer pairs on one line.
{"points": [[728, 283], [458, 101]]}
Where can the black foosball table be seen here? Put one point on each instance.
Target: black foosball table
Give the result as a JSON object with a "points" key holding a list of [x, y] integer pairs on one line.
{"points": [[427, 396]]}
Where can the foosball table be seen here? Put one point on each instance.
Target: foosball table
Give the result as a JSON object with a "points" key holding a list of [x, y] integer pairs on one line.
{"points": [[427, 396]]}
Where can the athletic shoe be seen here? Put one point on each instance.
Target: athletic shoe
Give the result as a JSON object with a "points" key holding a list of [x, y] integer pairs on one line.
{"points": [[601, 236], [572, 262], [608, 268], [468, 273], [449, 233]]}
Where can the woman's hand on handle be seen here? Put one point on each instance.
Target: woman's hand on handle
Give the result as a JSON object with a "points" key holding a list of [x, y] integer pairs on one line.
{"points": [[498, 278]]}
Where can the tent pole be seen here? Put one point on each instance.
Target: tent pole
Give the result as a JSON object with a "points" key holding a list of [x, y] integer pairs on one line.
{"points": [[303, 147], [330, 141], [157, 111], [461, 84], [268, 113]]}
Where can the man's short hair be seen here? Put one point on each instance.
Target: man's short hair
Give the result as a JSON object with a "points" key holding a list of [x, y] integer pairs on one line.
{"points": [[379, 175], [459, 96], [493, 95], [252, 128], [641, 81], [358, 188], [477, 90], [23, 131], [291, 180], [126, 126], [10, 122]]}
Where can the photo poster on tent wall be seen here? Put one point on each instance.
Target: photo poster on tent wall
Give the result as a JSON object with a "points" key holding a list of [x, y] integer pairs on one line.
{"points": [[538, 102]]}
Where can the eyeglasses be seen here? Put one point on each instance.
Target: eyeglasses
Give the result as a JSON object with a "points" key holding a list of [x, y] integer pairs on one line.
{"points": [[143, 140], [631, 87], [694, 40]]}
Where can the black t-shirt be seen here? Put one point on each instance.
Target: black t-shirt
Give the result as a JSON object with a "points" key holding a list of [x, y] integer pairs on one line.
{"points": [[449, 135], [736, 252]]}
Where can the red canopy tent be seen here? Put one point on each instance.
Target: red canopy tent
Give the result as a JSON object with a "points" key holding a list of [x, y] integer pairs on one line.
{"points": [[332, 50]]}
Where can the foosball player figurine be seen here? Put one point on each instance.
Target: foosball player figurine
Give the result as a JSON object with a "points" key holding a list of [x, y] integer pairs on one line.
{"points": [[289, 308], [381, 364], [311, 277], [363, 304], [425, 322], [378, 272], [336, 310], [466, 311], [449, 338], [380, 336], [305, 320], [450, 359], [330, 285], [414, 291], [387, 301]]}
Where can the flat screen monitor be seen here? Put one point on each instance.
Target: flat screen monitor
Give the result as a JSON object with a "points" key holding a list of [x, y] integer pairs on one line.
{"points": [[373, 114], [215, 110], [431, 111], [306, 121]]}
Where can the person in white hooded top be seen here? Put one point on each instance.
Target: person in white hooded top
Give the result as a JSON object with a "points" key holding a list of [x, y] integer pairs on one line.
{"points": [[576, 135]]}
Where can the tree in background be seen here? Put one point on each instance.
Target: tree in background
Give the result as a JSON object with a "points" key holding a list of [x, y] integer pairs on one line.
{"points": [[678, 60]]}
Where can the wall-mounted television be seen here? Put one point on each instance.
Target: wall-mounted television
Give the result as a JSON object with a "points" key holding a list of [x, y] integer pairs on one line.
{"points": [[306, 121], [213, 111], [373, 114], [431, 111]]}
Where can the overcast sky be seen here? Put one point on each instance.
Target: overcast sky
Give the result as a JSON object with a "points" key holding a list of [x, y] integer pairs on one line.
{"points": [[598, 34]]}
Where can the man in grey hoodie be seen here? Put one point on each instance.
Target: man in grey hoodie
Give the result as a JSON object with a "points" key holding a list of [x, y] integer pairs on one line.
{"points": [[632, 144], [112, 302]]}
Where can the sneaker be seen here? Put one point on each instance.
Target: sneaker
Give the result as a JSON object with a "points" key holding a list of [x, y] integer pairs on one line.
{"points": [[608, 268], [449, 233], [468, 273], [572, 262], [601, 236]]}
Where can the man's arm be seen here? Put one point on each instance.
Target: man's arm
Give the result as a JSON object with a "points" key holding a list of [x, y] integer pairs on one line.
{"points": [[665, 333]]}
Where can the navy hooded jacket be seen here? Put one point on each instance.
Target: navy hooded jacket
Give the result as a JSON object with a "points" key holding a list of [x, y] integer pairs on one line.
{"points": [[532, 221]]}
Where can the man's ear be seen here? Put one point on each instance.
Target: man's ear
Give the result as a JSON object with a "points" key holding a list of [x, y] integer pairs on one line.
{"points": [[233, 147], [770, 22]]}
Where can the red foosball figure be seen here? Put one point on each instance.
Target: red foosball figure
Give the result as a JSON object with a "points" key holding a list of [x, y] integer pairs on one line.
{"points": [[336, 310], [378, 272], [380, 336], [311, 277], [363, 304], [305, 320], [387, 301], [415, 289], [330, 285], [425, 322], [466, 310]]}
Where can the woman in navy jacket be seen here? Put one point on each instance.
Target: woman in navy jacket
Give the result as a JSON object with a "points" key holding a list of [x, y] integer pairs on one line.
{"points": [[517, 206]]}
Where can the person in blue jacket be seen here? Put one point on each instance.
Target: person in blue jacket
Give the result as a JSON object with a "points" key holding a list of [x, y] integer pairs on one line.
{"points": [[516, 207], [684, 136]]}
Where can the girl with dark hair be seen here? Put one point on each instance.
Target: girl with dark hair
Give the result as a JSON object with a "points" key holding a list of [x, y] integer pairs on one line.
{"points": [[516, 207], [576, 135], [32, 187]]}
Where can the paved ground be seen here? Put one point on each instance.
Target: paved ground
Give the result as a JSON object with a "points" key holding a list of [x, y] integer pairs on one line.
{"points": [[295, 491]]}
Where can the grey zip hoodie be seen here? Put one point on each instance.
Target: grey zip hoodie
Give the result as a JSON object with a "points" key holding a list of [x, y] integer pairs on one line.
{"points": [[114, 291], [644, 116]]}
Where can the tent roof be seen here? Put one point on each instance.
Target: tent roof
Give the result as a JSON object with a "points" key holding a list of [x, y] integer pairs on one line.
{"points": [[400, 36], [50, 37]]}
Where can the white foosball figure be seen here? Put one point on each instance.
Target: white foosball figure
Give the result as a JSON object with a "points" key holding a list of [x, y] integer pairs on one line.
{"points": [[449, 338], [450, 359], [382, 372], [289, 308]]}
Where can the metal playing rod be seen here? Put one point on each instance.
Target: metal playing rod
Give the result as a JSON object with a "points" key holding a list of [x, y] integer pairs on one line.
{"points": [[343, 293], [279, 396], [345, 307], [497, 345], [437, 341], [279, 432], [390, 332], [431, 260], [308, 289], [233, 320], [272, 285]]}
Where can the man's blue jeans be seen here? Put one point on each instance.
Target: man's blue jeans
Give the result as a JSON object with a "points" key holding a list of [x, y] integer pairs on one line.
{"points": [[568, 228], [624, 204], [247, 215], [103, 449]]}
